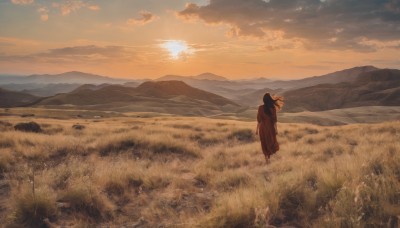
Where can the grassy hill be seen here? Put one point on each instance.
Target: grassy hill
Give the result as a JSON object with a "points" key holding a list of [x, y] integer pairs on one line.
{"points": [[197, 172], [15, 99], [374, 88], [347, 75], [172, 97]]}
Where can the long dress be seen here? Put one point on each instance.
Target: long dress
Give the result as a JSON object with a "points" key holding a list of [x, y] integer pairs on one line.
{"points": [[267, 132]]}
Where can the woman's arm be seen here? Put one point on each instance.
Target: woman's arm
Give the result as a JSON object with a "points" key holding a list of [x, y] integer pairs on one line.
{"points": [[258, 126], [258, 120], [275, 120]]}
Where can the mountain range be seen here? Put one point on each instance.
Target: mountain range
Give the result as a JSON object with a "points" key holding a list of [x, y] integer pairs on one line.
{"points": [[371, 88], [204, 94], [67, 77], [174, 97]]}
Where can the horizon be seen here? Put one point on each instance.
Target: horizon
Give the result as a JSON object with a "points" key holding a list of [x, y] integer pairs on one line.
{"points": [[150, 39], [274, 78]]}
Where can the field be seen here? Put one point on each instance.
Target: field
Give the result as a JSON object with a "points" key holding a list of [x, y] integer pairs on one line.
{"points": [[168, 171]]}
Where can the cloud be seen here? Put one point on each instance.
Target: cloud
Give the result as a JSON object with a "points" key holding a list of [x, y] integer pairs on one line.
{"points": [[76, 54], [44, 13], [94, 7], [329, 24], [145, 18], [68, 6], [22, 2]]}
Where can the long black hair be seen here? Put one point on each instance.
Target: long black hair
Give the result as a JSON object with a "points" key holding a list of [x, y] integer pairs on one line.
{"points": [[271, 102]]}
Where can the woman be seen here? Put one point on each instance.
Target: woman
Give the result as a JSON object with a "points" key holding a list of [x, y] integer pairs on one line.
{"points": [[266, 126]]}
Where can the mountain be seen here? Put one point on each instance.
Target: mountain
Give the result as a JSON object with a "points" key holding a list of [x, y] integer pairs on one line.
{"points": [[174, 97], [347, 75], [165, 89], [231, 89], [210, 76], [371, 88], [132, 84], [51, 89], [254, 98], [14, 99], [204, 76], [249, 92], [73, 77]]}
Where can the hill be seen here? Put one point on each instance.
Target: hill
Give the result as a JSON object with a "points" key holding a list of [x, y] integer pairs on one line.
{"points": [[347, 75], [72, 77], [165, 89], [249, 92], [203, 76], [15, 99], [210, 76], [166, 96], [374, 88]]}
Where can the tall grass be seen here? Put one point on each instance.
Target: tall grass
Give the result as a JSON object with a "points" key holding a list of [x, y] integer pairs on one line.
{"points": [[198, 172]]}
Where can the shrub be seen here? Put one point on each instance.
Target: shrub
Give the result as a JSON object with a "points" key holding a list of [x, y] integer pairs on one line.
{"points": [[6, 161], [296, 206], [28, 127], [78, 127], [235, 209], [232, 179], [31, 210], [116, 147], [115, 187], [88, 202], [242, 135]]}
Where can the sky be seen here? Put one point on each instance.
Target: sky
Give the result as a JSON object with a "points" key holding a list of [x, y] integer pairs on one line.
{"points": [[279, 39]]}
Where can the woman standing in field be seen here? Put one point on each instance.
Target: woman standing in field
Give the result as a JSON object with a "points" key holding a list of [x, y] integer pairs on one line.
{"points": [[266, 124]]}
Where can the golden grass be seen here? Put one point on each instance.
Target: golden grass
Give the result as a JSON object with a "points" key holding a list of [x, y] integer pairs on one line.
{"points": [[197, 172]]}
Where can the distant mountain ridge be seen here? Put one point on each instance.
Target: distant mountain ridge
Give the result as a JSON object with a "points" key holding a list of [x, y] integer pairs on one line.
{"points": [[373, 88], [14, 99], [347, 75], [165, 96], [201, 94], [203, 76], [72, 77]]}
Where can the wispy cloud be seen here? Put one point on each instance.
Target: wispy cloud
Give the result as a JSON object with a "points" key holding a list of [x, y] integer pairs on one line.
{"points": [[44, 13], [94, 7], [76, 54], [68, 6], [145, 18], [65, 7], [22, 2]]}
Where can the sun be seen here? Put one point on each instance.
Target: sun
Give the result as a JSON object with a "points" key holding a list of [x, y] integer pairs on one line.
{"points": [[176, 48]]}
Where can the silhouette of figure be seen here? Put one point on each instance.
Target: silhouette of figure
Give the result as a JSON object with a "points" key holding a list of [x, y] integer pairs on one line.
{"points": [[267, 124]]}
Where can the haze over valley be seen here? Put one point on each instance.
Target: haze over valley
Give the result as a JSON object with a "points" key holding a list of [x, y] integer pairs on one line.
{"points": [[206, 94]]}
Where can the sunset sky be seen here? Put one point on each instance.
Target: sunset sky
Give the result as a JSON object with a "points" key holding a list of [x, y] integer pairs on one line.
{"points": [[234, 38]]}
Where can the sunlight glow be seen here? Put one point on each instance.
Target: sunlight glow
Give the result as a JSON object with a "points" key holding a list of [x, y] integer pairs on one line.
{"points": [[176, 48]]}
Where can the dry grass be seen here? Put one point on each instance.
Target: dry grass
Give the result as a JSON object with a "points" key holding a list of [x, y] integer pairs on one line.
{"points": [[197, 172]]}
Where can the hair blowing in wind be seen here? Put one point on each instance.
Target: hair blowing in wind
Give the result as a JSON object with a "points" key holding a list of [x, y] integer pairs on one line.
{"points": [[271, 102]]}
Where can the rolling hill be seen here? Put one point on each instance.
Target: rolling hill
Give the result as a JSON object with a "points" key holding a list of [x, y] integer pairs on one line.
{"points": [[14, 99], [203, 76], [347, 75], [165, 96], [374, 88], [72, 77], [249, 92]]}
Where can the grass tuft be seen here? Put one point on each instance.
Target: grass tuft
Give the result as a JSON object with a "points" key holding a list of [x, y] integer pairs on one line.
{"points": [[32, 210]]}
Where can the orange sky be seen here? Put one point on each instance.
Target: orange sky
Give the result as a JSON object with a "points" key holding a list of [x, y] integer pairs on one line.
{"points": [[233, 38]]}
